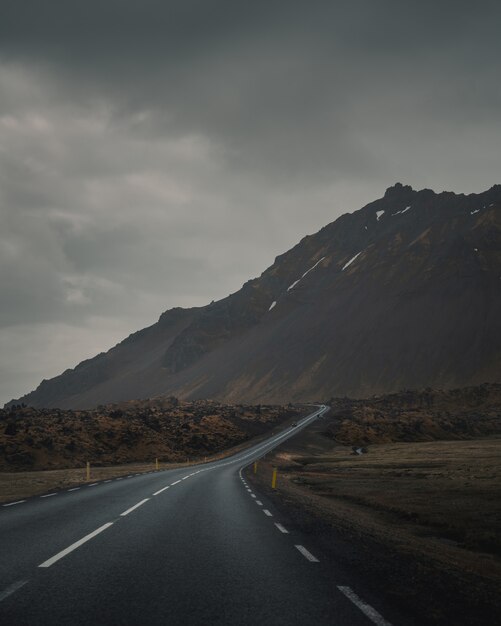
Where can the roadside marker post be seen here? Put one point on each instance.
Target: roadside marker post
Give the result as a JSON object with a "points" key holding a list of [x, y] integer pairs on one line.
{"points": [[88, 470], [255, 467], [156, 464], [274, 479]]}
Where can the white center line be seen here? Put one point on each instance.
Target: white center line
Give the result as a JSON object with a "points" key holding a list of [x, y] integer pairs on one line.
{"points": [[281, 528], [266, 512], [93, 485], [108, 481], [160, 490], [177, 481], [133, 507], [74, 546], [11, 589], [121, 478], [13, 503], [48, 495], [366, 609], [258, 502], [185, 477], [253, 495], [307, 554], [74, 489]]}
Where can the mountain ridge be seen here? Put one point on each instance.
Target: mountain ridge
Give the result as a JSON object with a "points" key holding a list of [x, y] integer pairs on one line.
{"points": [[331, 316]]}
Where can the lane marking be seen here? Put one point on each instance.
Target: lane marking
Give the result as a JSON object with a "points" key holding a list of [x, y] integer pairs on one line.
{"points": [[160, 490], [74, 546], [266, 512], [74, 489], [307, 554], [258, 502], [253, 495], [132, 508], [108, 481], [281, 528], [130, 476], [177, 481], [13, 503], [93, 485], [12, 589], [185, 477], [121, 478], [366, 609], [49, 495]]}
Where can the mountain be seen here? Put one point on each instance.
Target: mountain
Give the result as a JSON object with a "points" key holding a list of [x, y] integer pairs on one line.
{"points": [[404, 293]]}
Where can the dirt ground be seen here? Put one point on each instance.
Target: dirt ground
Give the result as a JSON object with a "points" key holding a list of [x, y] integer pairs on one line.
{"points": [[427, 514]]}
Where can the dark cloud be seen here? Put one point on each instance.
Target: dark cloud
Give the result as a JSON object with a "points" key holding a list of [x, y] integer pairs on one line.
{"points": [[160, 153]]}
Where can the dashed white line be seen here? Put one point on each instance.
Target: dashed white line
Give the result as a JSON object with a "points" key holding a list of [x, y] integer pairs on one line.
{"points": [[160, 490], [13, 503], [258, 502], [185, 477], [108, 481], [74, 489], [281, 528], [307, 554], [93, 485], [175, 483], [74, 546], [120, 478], [366, 609], [132, 508], [266, 512], [11, 589], [49, 495], [253, 495]]}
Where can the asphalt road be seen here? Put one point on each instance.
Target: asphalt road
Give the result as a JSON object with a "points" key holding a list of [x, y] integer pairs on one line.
{"points": [[187, 546]]}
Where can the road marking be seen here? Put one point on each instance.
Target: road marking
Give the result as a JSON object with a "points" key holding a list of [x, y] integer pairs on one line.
{"points": [[281, 528], [160, 490], [253, 495], [12, 589], [366, 609], [121, 478], [266, 512], [258, 502], [185, 477], [177, 481], [93, 485], [308, 555], [49, 495], [130, 476], [108, 481], [74, 489], [133, 507], [13, 503], [74, 546]]}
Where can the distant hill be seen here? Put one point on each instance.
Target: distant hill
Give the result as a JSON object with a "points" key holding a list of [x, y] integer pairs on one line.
{"points": [[404, 293]]}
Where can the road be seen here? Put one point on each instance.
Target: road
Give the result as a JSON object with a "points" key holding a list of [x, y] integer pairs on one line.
{"points": [[184, 546]]}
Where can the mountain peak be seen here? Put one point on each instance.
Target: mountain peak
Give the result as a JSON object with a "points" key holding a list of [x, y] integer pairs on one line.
{"points": [[398, 190]]}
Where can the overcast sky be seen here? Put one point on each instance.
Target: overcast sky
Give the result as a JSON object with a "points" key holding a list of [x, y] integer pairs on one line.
{"points": [[161, 153]]}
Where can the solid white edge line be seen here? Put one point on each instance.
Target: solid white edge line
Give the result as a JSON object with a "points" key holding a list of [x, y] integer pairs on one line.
{"points": [[160, 490], [133, 507], [307, 554], [75, 545], [13, 503], [281, 528], [268, 513], [12, 589], [366, 609]]}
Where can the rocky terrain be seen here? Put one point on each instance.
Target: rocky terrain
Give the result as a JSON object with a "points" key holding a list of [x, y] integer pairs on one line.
{"points": [[135, 431], [404, 293]]}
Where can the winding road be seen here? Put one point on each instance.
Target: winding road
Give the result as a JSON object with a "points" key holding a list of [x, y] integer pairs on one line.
{"points": [[183, 546]]}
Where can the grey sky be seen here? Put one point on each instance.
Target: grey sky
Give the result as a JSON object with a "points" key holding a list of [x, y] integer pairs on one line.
{"points": [[157, 154]]}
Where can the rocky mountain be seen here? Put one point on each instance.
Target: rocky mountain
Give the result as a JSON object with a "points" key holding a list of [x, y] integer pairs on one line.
{"points": [[404, 293]]}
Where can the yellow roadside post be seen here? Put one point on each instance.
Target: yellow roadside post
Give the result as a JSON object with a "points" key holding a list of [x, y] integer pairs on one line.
{"points": [[156, 464], [88, 470], [274, 479], [255, 467]]}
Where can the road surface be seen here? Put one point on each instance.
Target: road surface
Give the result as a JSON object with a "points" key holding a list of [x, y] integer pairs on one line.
{"points": [[185, 546]]}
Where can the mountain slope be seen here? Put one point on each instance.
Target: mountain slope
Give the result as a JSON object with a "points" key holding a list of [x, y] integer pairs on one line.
{"points": [[405, 292]]}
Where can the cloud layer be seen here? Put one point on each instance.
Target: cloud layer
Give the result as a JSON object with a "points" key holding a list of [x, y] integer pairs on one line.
{"points": [[159, 154]]}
